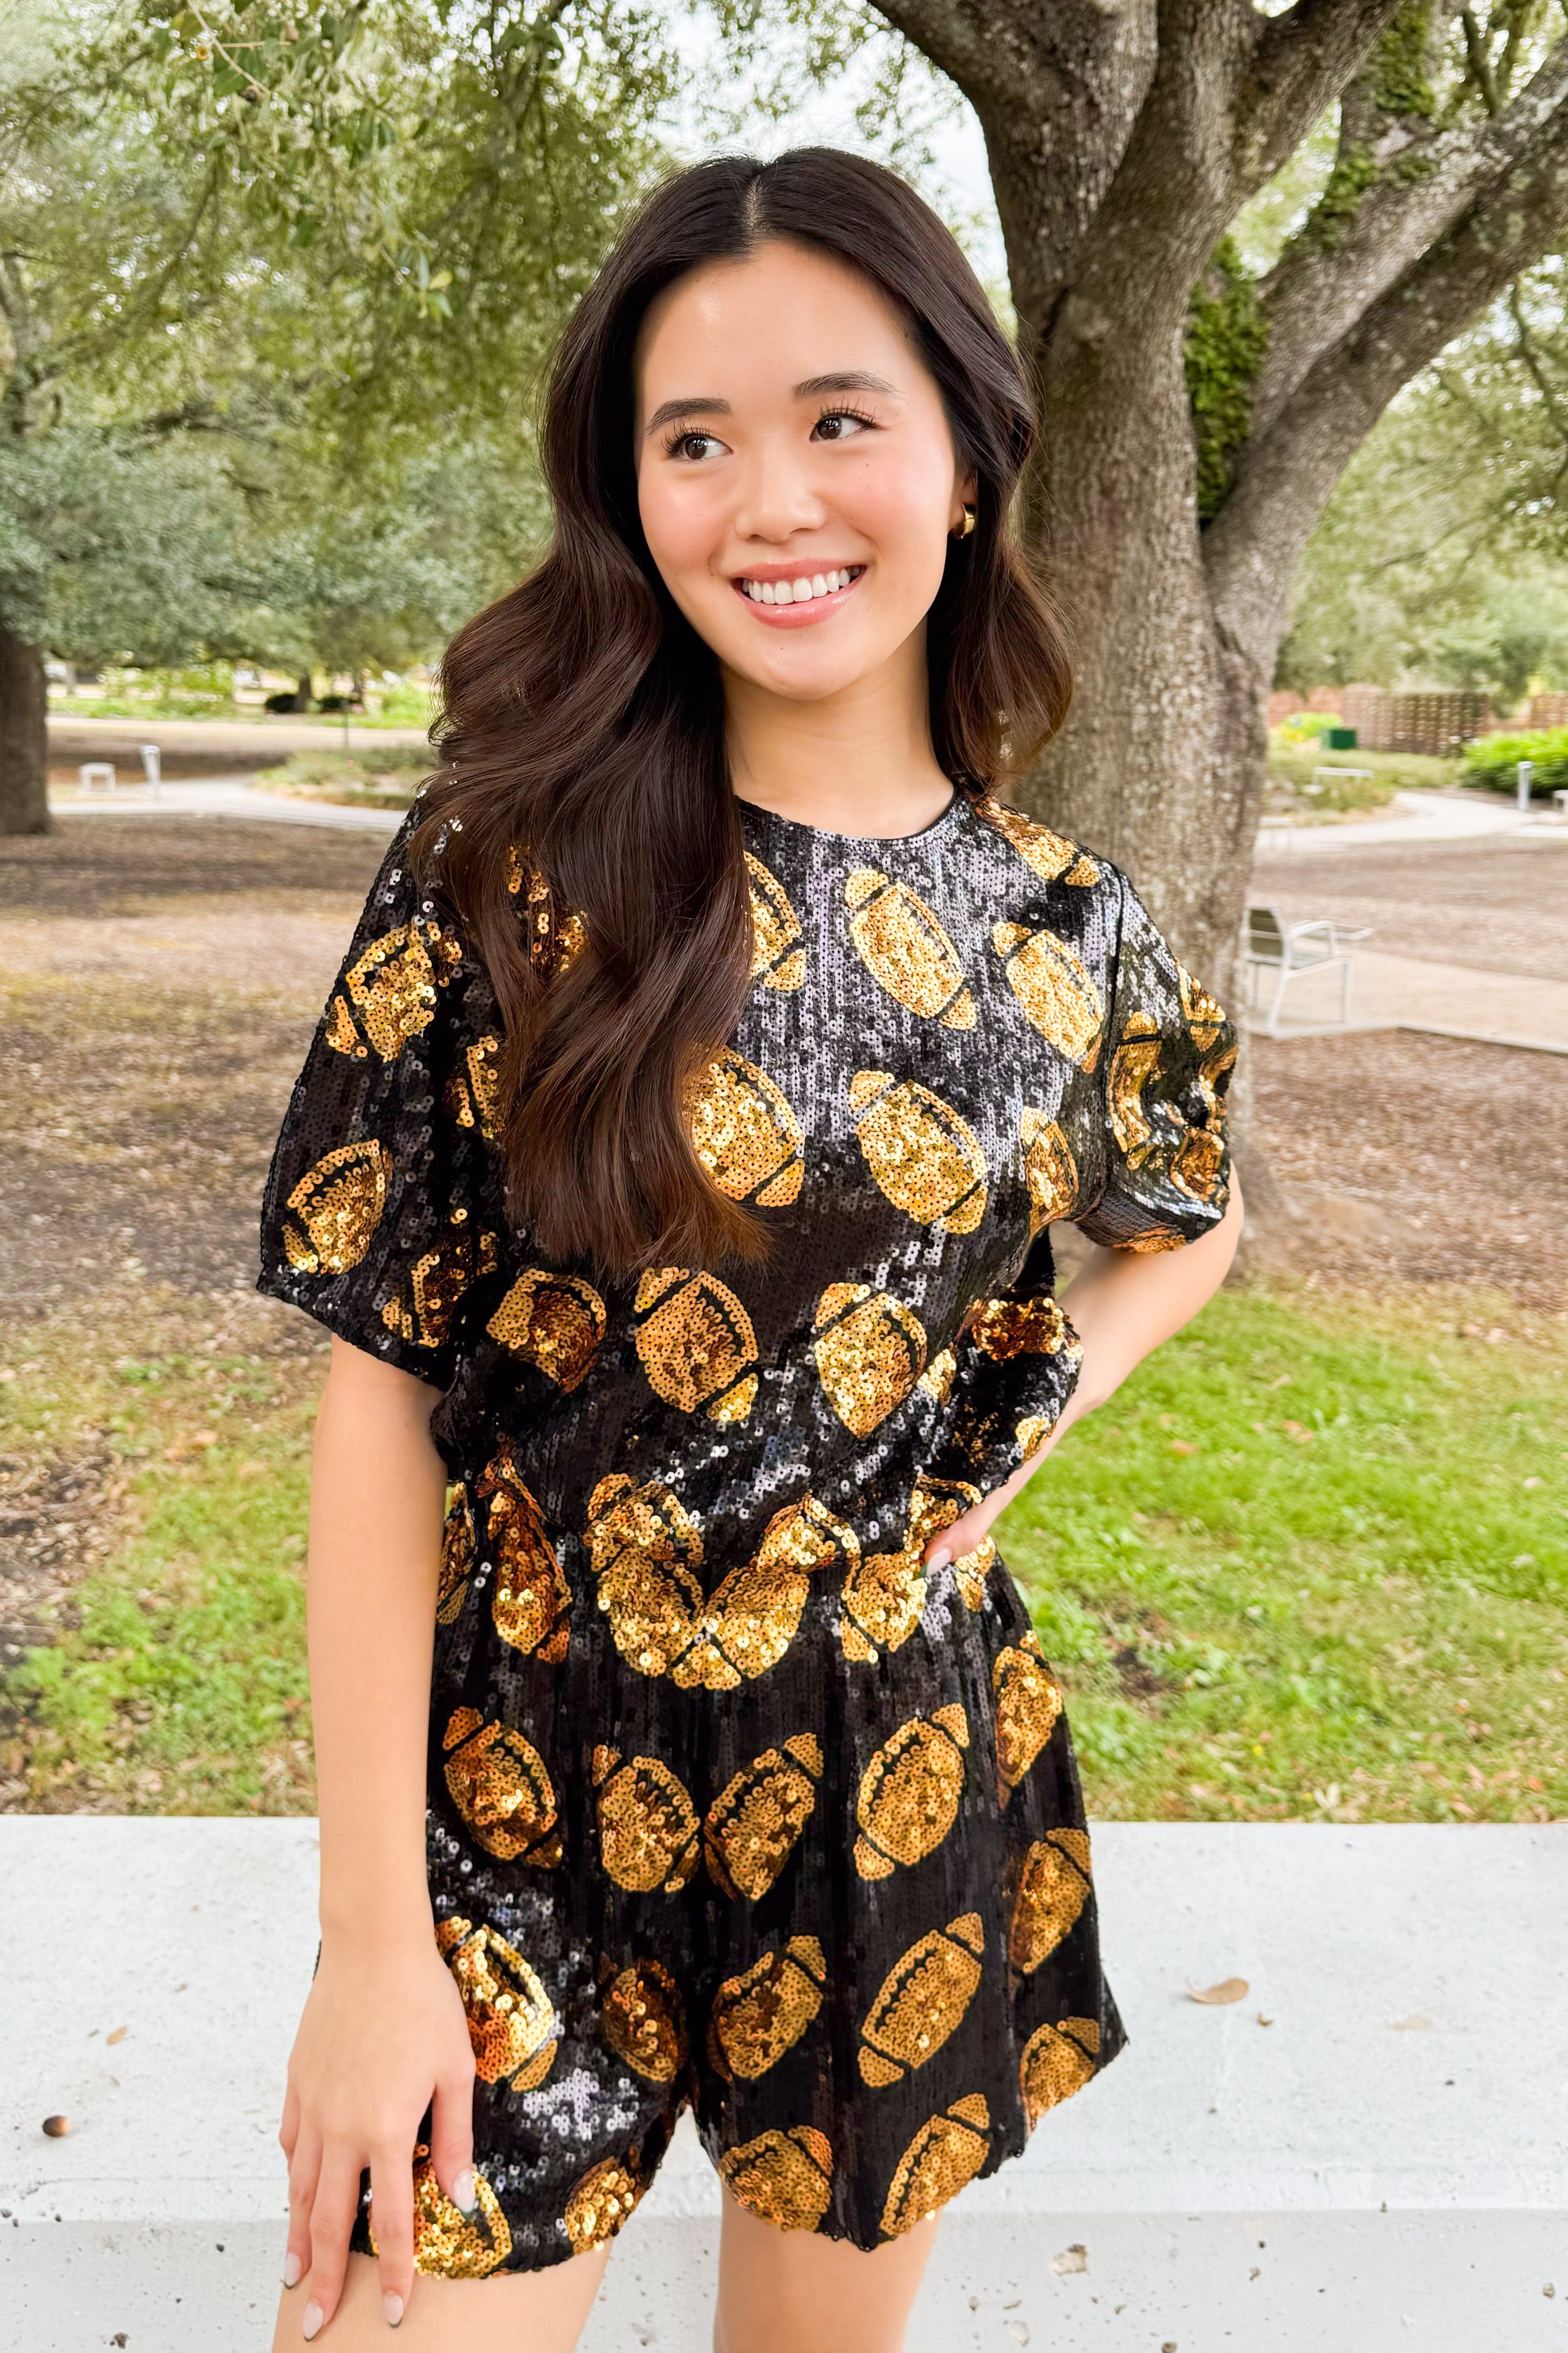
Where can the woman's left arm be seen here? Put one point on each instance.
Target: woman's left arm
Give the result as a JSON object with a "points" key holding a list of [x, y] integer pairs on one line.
{"points": [[1122, 1307]]}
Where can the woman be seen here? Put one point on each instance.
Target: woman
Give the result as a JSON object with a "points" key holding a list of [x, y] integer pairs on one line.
{"points": [[673, 1166]]}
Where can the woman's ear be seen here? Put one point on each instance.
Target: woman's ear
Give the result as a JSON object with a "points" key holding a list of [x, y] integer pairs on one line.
{"points": [[966, 491]]}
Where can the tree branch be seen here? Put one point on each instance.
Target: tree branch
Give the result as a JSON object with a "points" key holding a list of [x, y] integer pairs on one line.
{"points": [[1285, 475], [1317, 293], [1057, 90], [1301, 63]]}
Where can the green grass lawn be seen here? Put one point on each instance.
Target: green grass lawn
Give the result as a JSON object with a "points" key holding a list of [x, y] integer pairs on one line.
{"points": [[1312, 1562], [1293, 770]]}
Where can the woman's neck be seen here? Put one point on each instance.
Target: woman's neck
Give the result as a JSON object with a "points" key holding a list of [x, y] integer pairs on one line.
{"points": [[859, 761]]}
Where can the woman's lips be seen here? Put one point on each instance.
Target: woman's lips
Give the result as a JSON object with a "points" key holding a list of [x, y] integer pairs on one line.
{"points": [[802, 615]]}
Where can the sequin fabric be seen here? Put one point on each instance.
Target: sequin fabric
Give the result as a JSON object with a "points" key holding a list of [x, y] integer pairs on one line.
{"points": [[732, 1802]]}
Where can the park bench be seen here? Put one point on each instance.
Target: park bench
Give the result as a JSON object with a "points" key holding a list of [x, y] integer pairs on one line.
{"points": [[1289, 950]]}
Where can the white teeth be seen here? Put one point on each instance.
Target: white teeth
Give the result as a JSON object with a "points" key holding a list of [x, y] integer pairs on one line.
{"points": [[796, 592]]}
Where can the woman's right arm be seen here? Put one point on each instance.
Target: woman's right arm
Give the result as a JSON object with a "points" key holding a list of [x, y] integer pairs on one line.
{"points": [[384, 2032]]}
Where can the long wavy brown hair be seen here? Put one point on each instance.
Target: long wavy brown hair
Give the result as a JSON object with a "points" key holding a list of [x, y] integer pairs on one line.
{"points": [[582, 732]]}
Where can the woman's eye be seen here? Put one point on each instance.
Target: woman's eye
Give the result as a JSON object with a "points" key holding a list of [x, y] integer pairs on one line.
{"points": [[694, 445], [840, 425]]}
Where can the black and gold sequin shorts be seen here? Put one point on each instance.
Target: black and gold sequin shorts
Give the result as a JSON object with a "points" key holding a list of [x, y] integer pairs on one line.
{"points": [[843, 1909]]}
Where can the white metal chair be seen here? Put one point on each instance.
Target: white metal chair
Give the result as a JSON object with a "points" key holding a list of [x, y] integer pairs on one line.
{"points": [[1289, 950], [94, 773]]}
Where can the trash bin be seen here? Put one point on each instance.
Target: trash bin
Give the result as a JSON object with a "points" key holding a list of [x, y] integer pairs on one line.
{"points": [[1338, 739]]}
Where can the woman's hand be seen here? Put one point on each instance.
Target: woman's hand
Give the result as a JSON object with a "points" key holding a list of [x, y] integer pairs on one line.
{"points": [[1123, 1306], [382, 2036]]}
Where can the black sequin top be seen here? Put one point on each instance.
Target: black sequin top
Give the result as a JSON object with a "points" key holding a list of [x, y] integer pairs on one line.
{"points": [[952, 1039]]}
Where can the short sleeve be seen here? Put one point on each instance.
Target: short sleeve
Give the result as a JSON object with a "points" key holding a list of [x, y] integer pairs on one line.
{"points": [[382, 1204], [1014, 1366], [1164, 1164]]}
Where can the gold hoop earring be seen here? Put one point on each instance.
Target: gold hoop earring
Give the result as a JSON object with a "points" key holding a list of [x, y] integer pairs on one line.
{"points": [[967, 525]]}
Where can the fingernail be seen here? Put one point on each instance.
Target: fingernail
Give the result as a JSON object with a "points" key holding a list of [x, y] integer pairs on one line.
{"points": [[940, 1558], [465, 2197], [293, 2269], [393, 2307], [314, 2316]]}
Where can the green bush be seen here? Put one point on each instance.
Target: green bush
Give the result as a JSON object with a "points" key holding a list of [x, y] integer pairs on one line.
{"points": [[1493, 760], [1304, 726], [384, 779]]}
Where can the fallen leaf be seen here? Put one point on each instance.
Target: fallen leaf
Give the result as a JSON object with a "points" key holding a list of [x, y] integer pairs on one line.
{"points": [[1071, 2259], [1264, 2021], [1228, 1989], [118, 2036], [56, 2127], [1183, 1446], [204, 1438], [1414, 2024]]}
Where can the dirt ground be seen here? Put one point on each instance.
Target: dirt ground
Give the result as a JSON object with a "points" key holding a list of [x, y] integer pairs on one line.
{"points": [[1498, 904]]}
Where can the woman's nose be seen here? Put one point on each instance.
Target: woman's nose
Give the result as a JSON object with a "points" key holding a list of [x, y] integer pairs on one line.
{"points": [[778, 496]]}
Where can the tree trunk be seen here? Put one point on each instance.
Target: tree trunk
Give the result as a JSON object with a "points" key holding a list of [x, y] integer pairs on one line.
{"points": [[24, 736], [1161, 764]]}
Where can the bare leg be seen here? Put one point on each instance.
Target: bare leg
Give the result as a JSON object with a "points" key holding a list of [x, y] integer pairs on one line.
{"points": [[796, 2292], [522, 2312]]}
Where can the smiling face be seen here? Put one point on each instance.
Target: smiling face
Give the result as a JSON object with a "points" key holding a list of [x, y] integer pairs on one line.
{"points": [[796, 477]]}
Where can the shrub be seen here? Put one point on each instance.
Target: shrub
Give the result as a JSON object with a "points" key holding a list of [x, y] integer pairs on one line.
{"points": [[384, 779], [1304, 726], [1493, 760]]}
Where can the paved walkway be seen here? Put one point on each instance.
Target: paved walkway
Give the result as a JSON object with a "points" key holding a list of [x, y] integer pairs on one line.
{"points": [[1450, 1000], [1417, 817], [219, 796]]}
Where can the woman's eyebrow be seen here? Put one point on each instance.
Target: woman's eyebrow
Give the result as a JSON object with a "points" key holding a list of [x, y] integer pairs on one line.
{"points": [[702, 404], [845, 380]]}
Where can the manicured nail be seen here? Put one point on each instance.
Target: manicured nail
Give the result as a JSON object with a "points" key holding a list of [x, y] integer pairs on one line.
{"points": [[465, 2197], [393, 2307], [314, 2316], [940, 1558], [293, 2269]]}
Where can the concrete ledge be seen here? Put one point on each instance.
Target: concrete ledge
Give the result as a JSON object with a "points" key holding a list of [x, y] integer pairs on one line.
{"points": [[1382, 2164]]}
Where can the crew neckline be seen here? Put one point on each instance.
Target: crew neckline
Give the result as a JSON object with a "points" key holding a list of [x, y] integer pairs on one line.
{"points": [[944, 818]]}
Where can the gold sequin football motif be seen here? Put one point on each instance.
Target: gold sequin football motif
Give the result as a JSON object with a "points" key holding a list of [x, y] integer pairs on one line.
{"points": [[870, 1350], [390, 992], [1053, 1888], [500, 1786], [745, 1133], [1054, 989], [695, 1343], [946, 2153], [532, 1602], [447, 2244], [643, 2019], [786, 2176], [923, 1154], [1049, 1169], [554, 1321], [600, 2204], [910, 1793], [513, 2023], [921, 2000], [754, 1824], [1052, 857], [904, 947], [1057, 2061], [778, 957], [884, 1595], [763, 2013], [647, 1825], [423, 1305], [335, 1209], [647, 1551], [1027, 1699]]}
